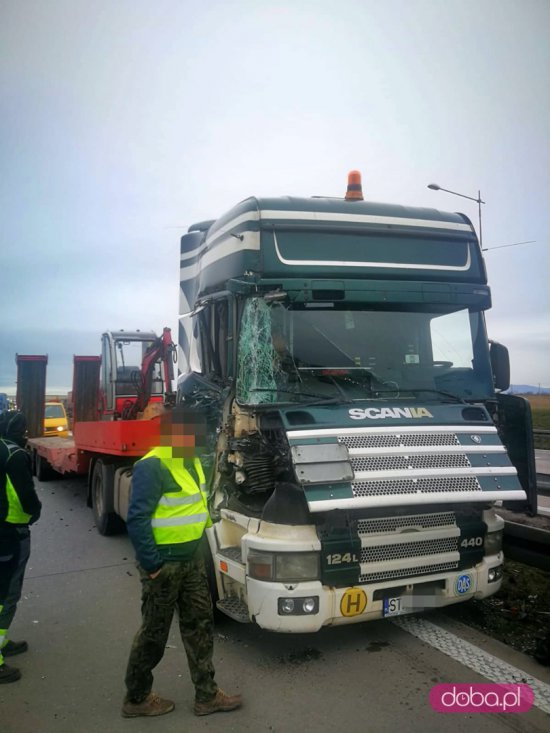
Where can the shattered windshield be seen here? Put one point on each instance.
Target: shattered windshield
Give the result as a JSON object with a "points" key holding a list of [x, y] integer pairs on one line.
{"points": [[333, 353]]}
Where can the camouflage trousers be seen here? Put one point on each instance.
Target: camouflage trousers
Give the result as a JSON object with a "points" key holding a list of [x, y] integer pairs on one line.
{"points": [[180, 586], [15, 549]]}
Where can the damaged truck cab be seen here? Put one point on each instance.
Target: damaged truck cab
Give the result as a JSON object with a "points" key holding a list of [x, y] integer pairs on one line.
{"points": [[356, 443]]}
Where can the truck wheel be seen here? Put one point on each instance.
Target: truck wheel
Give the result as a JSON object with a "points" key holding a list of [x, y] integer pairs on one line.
{"points": [[43, 470], [103, 486]]}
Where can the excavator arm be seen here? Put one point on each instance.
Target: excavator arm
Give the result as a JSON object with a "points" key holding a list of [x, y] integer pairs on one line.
{"points": [[162, 349]]}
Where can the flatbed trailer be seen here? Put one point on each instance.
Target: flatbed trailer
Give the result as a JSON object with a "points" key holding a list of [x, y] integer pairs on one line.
{"points": [[106, 439], [60, 454], [119, 442], [105, 452]]}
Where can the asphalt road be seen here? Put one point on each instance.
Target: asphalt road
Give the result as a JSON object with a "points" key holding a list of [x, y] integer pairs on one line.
{"points": [[81, 609]]}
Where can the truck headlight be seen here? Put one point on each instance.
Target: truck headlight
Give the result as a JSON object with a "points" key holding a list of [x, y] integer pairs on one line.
{"points": [[283, 567], [493, 542]]}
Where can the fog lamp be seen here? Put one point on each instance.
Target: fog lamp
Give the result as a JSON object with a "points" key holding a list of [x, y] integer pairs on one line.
{"points": [[304, 606], [494, 574], [287, 605]]}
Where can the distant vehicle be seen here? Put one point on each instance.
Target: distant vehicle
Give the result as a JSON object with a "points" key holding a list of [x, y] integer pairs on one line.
{"points": [[55, 420]]}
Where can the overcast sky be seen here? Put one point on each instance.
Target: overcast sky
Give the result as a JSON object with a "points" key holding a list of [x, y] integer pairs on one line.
{"points": [[124, 121]]}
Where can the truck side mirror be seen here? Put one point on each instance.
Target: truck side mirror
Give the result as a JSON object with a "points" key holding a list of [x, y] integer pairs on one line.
{"points": [[500, 364]]}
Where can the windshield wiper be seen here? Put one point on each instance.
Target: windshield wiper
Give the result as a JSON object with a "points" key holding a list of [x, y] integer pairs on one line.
{"points": [[347, 382], [289, 391], [415, 390]]}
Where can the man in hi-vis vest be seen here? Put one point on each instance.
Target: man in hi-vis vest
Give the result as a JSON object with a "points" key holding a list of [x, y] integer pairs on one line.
{"points": [[19, 508], [167, 516]]}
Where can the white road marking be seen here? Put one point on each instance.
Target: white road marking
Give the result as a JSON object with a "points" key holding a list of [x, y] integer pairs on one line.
{"points": [[474, 658]]}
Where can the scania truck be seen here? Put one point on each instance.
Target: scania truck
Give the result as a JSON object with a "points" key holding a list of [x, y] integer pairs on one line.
{"points": [[358, 434]]}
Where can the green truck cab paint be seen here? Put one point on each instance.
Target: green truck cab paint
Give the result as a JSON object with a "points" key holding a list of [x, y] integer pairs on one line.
{"points": [[356, 440]]}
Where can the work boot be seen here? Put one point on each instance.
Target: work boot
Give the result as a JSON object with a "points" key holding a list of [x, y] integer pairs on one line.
{"points": [[14, 647], [152, 705], [220, 703], [8, 674]]}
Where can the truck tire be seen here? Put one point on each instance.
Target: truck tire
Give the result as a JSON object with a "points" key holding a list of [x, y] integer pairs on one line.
{"points": [[103, 486], [43, 470]]}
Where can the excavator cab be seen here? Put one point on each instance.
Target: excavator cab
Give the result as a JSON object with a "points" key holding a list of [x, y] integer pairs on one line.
{"points": [[136, 370]]}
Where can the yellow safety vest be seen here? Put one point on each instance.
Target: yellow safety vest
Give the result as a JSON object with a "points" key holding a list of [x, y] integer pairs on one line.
{"points": [[15, 514], [180, 516]]}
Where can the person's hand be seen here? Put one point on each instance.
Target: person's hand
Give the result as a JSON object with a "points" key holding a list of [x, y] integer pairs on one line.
{"points": [[155, 574]]}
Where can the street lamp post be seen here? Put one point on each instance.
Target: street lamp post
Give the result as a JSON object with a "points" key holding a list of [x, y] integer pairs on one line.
{"points": [[478, 201]]}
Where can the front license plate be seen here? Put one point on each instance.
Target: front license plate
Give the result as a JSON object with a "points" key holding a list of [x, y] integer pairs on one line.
{"points": [[394, 607]]}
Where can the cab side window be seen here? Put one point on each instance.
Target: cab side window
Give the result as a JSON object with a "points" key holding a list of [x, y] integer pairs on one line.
{"points": [[216, 339]]}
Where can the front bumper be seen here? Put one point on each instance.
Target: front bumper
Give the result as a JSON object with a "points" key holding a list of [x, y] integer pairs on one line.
{"points": [[339, 606]]}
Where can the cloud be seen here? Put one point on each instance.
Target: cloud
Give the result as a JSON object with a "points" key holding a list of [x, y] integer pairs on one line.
{"points": [[122, 123]]}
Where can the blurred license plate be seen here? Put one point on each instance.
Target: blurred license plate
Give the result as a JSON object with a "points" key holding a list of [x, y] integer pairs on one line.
{"points": [[394, 606]]}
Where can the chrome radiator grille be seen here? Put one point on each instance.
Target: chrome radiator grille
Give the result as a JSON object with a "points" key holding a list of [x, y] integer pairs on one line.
{"points": [[406, 538]]}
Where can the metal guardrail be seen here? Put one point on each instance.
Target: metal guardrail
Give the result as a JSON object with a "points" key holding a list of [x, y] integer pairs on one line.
{"points": [[541, 439], [527, 544], [543, 475]]}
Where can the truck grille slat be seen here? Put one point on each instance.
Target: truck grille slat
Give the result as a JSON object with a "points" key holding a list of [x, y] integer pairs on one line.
{"points": [[397, 463], [392, 524], [396, 441], [409, 549], [390, 487], [407, 572]]}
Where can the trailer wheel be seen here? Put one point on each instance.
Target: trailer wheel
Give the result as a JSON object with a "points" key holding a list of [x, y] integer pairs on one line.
{"points": [[43, 471], [103, 484]]}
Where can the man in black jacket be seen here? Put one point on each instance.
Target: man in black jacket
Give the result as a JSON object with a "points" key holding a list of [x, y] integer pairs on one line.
{"points": [[19, 507]]}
